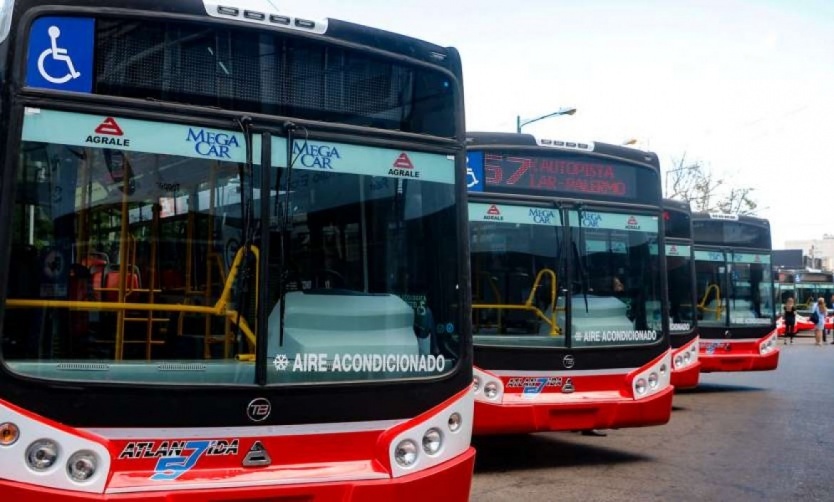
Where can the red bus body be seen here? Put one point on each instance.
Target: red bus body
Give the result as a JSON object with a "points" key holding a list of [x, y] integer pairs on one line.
{"points": [[327, 462], [735, 296], [540, 366], [609, 402], [349, 128], [687, 376], [740, 355]]}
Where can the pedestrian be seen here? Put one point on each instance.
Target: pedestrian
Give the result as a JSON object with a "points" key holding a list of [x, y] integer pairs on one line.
{"points": [[818, 318], [789, 319], [832, 331]]}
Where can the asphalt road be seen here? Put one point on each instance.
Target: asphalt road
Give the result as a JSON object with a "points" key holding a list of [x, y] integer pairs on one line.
{"points": [[738, 436]]}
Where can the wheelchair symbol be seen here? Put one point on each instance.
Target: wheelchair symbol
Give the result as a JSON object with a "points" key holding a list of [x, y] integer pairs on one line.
{"points": [[57, 54], [470, 174]]}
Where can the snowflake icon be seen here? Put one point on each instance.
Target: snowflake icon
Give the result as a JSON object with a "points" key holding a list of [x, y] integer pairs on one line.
{"points": [[579, 336], [281, 362]]}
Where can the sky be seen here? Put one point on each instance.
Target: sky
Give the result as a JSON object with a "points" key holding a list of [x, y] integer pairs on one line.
{"points": [[744, 87]]}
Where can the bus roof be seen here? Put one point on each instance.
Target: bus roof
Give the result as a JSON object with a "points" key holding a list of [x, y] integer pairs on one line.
{"points": [[744, 219], [263, 14], [476, 139], [677, 205]]}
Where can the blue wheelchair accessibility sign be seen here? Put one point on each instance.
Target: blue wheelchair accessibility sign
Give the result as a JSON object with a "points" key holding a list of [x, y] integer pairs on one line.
{"points": [[475, 171], [61, 54]]}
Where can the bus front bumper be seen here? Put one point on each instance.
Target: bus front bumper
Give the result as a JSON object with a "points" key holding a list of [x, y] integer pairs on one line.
{"points": [[739, 362], [448, 481], [688, 377], [593, 410]]}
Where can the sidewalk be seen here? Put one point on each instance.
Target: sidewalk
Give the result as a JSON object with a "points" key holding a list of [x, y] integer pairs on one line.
{"points": [[805, 338]]}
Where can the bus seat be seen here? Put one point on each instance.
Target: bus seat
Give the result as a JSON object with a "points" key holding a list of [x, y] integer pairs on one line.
{"points": [[171, 279], [95, 259], [111, 281]]}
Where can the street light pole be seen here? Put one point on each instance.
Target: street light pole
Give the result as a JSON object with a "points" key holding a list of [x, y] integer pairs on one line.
{"points": [[521, 123]]}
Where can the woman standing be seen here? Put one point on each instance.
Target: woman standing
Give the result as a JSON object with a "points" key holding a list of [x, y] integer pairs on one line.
{"points": [[820, 310], [789, 318]]}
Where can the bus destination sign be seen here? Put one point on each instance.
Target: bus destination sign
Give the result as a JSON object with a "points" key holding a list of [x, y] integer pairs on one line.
{"points": [[566, 175]]}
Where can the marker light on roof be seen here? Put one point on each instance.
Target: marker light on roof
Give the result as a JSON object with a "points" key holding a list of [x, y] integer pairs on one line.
{"points": [[260, 12], [572, 145]]}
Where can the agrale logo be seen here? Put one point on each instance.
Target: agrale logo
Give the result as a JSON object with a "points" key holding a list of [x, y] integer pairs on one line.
{"points": [[632, 223], [673, 250], [403, 167], [493, 214], [108, 133]]}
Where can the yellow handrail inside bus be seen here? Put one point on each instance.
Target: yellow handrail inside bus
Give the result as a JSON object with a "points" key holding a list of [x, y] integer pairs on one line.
{"points": [[221, 308], [528, 305], [495, 291], [719, 309]]}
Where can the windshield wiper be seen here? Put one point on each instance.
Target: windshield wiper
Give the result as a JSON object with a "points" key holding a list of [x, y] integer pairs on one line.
{"points": [[247, 196], [583, 271], [285, 217]]}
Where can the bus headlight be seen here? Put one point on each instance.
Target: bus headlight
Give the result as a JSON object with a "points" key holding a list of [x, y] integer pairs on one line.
{"points": [[82, 465], [406, 453], [687, 357], [476, 383], [432, 441], [653, 380], [491, 390], [42, 454], [640, 386], [455, 421], [678, 361], [663, 369]]}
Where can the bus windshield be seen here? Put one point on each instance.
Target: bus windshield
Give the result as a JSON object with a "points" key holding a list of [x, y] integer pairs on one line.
{"points": [[734, 288], [679, 277], [616, 282], [521, 281], [136, 256]]}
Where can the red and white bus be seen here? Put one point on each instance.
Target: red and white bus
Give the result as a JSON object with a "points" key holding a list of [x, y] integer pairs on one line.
{"points": [[734, 288], [568, 286], [233, 257], [680, 278]]}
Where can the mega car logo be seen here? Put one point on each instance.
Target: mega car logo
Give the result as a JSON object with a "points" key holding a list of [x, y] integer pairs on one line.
{"points": [[632, 223], [212, 144], [568, 361], [591, 220], [109, 132], [316, 156], [493, 214], [403, 167], [542, 216]]}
